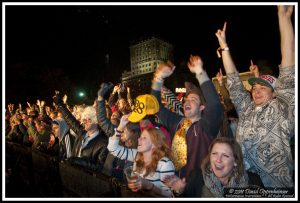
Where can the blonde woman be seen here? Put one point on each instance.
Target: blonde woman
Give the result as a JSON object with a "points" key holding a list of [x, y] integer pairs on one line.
{"points": [[151, 160]]}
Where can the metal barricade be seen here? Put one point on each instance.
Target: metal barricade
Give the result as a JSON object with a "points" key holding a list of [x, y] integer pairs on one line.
{"points": [[80, 182], [46, 174], [18, 163]]}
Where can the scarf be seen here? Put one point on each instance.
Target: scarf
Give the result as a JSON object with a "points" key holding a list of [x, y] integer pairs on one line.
{"points": [[215, 186], [179, 146]]}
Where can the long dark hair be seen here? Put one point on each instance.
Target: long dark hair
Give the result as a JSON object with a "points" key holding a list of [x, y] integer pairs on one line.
{"points": [[135, 132]]}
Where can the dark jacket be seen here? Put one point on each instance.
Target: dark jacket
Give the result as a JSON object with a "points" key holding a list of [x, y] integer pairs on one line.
{"points": [[104, 123], [113, 165], [201, 133], [94, 154]]}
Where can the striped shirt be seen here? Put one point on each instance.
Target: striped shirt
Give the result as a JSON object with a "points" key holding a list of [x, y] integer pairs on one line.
{"points": [[164, 167]]}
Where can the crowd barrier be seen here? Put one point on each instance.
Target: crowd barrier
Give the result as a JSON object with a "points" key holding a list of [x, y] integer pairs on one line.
{"points": [[48, 177]]}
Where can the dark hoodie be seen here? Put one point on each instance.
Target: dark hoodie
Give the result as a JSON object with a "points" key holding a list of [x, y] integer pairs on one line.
{"points": [[66, 140]]}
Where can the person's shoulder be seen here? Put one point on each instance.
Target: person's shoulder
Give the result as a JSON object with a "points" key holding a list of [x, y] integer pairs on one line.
{"points": [[164, 159]]}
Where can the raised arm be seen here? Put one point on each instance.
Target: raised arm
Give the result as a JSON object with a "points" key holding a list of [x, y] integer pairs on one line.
{"points": [[287, 38], [226, 56], [213, 112], [168, 118], [104, 122], [254, 69], [72, 122]]}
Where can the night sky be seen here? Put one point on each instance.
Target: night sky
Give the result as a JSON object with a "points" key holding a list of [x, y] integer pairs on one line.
{"points": [[65, 47]]}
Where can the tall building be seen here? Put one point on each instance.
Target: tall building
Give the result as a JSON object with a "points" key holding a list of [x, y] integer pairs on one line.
{"points": [[145, 55]]}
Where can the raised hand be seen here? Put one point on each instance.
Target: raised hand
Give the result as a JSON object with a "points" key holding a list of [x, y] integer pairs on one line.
{"points": [[57, 98], [287, 35], [28, 104], [48, 110], [254, 69], [119, 89], [164, 70], [219, 77], [38, 103], [221, 35], [104, 89], [285, 10], [42, 103], [123, 122], [65, 97], [10, 107], [195, 64]]}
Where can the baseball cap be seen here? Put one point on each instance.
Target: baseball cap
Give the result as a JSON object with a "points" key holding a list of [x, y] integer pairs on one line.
{"points": [[144, 105], [266, 80]]}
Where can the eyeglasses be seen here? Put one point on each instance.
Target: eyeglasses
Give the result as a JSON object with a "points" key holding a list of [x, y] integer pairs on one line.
{"points": [[86, 120]]}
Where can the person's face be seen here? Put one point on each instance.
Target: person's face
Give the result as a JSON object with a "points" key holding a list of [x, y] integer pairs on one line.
{"points": [[24, 116], [125, 135], [52, 116], [88, 125], [59, 115], [77, 115], [222, 161], [121, 104], [55, 130], [261, 94], [191, 106], [29, 119], [144, 142], [115, 115], [39, 126]]}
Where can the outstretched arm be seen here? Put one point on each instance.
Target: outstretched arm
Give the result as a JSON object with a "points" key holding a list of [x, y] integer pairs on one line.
{"points": [[226, 56], [238, 94], [287, 37]]}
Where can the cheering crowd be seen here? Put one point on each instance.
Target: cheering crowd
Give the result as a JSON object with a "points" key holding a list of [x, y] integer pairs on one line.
{"points": [[197, 147]]}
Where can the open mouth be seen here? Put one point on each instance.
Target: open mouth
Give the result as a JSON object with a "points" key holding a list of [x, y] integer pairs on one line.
{"points": [[219, 167], [187, 107]]}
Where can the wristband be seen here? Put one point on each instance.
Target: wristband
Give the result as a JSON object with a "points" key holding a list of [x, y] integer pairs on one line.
{"points": [[117, 132], [220, 50], [158, 79]]}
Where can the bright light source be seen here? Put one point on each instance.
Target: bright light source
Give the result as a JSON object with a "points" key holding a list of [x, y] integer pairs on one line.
{"points": [[81, 94]]}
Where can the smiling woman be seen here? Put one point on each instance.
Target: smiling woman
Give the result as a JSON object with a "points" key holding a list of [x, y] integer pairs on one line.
{"points": [[151, 161], [222, 168]]}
